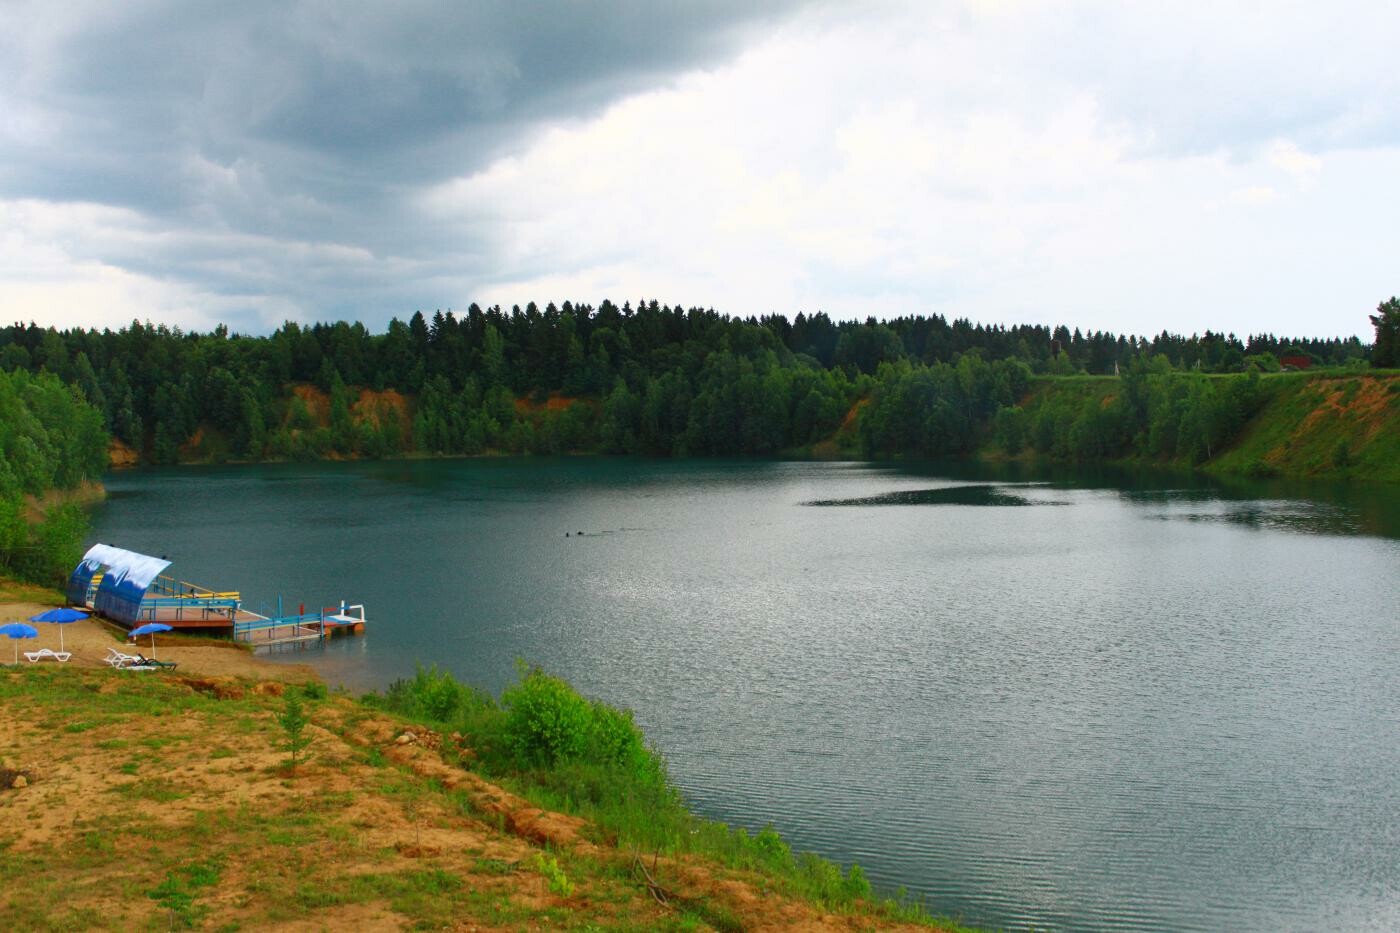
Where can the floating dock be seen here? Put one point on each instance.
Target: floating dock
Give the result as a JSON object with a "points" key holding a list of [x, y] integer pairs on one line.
{"points": [[129, 589], [279, 631]]}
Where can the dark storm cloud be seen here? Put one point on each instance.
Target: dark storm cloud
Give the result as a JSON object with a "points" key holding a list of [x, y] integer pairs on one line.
{"points": [[313, 121], [340, 84]]}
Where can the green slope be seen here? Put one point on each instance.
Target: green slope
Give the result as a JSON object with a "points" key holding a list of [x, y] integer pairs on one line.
{"points": [[1324, 425]]}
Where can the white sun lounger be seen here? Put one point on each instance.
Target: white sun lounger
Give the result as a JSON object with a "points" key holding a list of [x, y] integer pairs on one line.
{"points": [[36, 656], [136, 662], [118, 659]]}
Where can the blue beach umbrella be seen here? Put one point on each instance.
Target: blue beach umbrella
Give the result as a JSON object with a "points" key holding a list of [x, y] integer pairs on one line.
{"points": [[59, 617], [18, 630], [150, 628]]}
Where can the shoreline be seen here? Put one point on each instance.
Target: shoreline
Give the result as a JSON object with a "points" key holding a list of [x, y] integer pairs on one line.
{"points": [[1318, 425], [84, 495], [185, 774], [89, 639], [983, 456]]}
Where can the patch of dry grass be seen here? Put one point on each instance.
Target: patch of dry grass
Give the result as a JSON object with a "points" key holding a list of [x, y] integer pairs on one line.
{"points": [[155, 802], [17, 591]]}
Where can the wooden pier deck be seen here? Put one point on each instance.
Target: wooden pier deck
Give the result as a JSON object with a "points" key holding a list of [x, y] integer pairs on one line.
{"points": [[298, 630], [186, 607]]}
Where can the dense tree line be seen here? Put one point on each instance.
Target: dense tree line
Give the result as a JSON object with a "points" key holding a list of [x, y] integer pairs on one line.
{"points": [[50, 438], [1155, 413], [938, 410], [647, 379]]}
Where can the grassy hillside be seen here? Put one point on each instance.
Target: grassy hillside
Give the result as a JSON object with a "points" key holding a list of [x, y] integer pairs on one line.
{"points": [[1337, 424], [1330, 425], [167, 801]]}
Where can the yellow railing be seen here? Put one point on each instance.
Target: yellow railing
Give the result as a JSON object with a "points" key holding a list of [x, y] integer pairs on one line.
{"points": [[181, 589]]}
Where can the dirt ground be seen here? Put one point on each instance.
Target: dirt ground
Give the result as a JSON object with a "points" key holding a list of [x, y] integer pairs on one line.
{"points": [[167, 802], [89, 640], [164, 799]]}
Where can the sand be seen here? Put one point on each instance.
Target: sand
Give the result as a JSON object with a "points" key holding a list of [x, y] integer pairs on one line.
{"points": [[89, 640]]}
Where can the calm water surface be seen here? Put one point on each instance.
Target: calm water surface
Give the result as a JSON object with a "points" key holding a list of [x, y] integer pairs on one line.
{"points": [[1068, 702]]}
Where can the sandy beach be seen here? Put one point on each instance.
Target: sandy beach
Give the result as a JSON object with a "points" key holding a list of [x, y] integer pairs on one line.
{"points": [[89, 640]]}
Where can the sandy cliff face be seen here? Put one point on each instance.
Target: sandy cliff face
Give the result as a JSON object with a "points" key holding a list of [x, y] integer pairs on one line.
{"points": [[1347, 427], [121, 456]]}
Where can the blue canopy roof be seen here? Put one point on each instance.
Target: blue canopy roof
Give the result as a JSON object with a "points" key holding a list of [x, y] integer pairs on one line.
{"points": [[124, 582]]}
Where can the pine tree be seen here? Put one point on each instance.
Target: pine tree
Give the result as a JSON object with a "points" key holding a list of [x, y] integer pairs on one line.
{"points": [[1386, 353], [293, 720]]}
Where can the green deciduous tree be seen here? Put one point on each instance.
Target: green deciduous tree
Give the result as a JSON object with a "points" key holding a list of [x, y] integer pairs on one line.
{"points": [[50, 438]]}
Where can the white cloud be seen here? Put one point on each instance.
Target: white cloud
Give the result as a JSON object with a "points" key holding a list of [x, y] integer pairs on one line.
{"points": [[1301, 167], [904, 166], [1254, 194], [50, 273], [99, 296], [1130, 167]]}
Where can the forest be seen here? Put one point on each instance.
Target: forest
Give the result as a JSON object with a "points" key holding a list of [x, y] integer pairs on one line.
{"points": [[51, 441], [646, 379], [649, 380]]}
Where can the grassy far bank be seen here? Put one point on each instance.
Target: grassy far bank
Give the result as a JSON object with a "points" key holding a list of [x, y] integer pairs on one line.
{"points": [[1342, 425], [167, 800], [1337, 424]]}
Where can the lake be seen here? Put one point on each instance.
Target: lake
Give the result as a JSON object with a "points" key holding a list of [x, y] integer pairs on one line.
{"points": [[1066, 700]]}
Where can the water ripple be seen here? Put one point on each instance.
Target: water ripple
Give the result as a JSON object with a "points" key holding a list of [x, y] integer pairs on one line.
{"points": [[1062, 718]]}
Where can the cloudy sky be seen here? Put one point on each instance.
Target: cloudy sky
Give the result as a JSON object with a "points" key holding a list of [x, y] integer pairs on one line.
{"points": [[1125, 166]]}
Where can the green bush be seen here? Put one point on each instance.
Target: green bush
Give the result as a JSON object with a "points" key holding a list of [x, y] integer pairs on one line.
{"points": [[565, 752], [772, 849], [548, 724], [541, 722], [546, 721], [432, 695], [618, 740], [855, 886]]}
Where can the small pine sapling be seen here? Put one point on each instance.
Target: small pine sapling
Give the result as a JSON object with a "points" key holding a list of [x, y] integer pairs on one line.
{"points": [[293, 720]]}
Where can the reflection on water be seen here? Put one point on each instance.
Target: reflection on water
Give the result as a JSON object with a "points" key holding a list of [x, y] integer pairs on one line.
{"points": [[1160, 707], [1307, 517], [944, 495], [1299, 505], [1331, 510]]}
